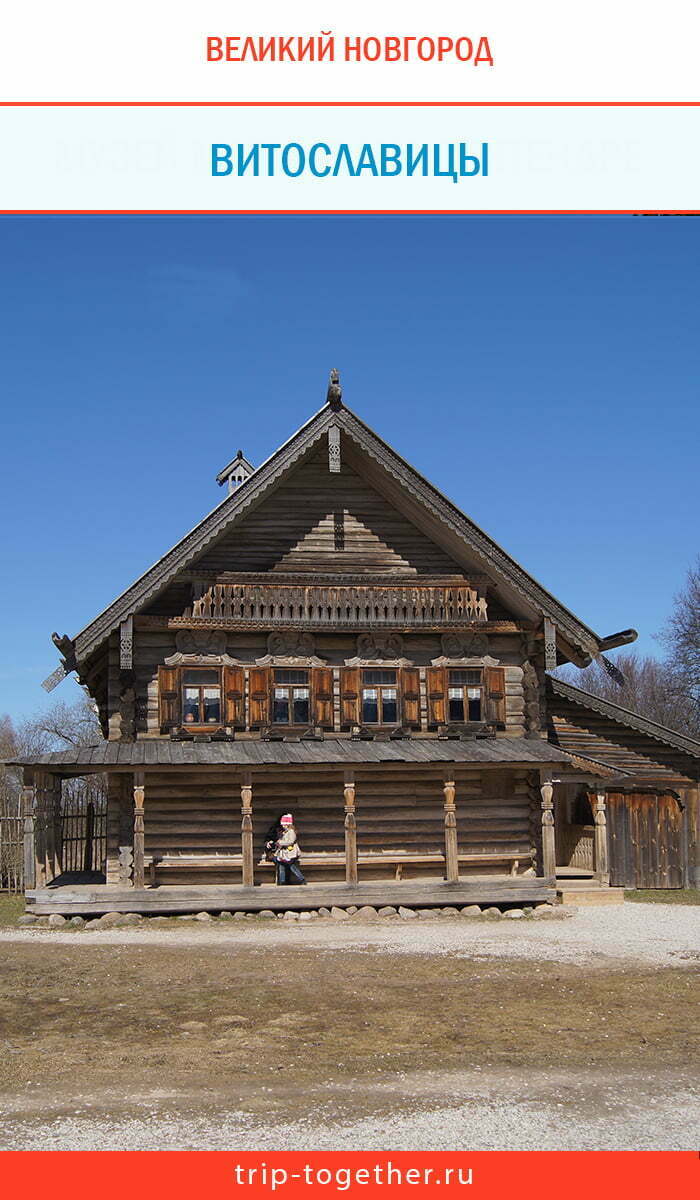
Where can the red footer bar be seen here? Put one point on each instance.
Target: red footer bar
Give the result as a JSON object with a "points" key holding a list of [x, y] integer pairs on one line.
{"points": [[193, 1175]]}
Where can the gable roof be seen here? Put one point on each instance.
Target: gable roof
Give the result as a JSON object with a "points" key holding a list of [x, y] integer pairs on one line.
{"points": [[623, 716], [387, 465]]}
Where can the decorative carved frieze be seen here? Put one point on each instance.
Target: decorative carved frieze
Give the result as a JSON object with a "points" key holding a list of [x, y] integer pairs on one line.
{"points": [[379, 645], [290, 648], [550, 645], [334, 450], [464, 645], [126, 644], [200, 647]]}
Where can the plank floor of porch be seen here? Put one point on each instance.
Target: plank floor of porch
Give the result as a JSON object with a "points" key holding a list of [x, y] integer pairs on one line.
{"points": [[84, 899]]}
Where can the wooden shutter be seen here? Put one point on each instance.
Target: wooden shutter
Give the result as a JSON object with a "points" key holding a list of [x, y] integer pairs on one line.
{"points": [[259, 680], [234, 697], [322, 694], [410, 697], [349, 696], [169, 698], [435, 681], [495, 687]]}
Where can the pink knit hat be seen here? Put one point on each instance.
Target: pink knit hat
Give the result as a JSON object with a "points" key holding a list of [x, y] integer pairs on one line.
{"points": [[287, 819]]}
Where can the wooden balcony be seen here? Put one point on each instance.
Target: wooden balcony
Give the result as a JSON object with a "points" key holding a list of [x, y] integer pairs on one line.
{"points": [[395, 606]]}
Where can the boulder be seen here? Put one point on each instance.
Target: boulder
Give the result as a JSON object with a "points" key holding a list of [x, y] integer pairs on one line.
{"points": [[56, 921], [226, 916], [339, 914], [203, 916], [324, 912], [266, 912], [77, 922], [160, 921], [388, 910], [423, 913], [514, 914], [407, 913], [450, 912], [470, 910], [131, 919], [109, 919], [94, 923], [304, 916], [351, 909], [367, 910], [492, 912], [290, 915], [238, 916], [27, 919]]}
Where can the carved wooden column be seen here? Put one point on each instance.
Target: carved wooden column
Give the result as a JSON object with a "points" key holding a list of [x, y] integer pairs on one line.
{"points": [[549, 854], [247, 829], [450, 822], [350, 829], [28, 806], [139, 798], [40, 872], [600, 844], [54, 802]]}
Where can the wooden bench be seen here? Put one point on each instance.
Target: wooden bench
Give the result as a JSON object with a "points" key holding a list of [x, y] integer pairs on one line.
{"points": [[395, 858]]}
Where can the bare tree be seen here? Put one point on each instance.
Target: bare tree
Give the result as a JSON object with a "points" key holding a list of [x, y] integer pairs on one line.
{"points": [[653, 688], [682, 632]]}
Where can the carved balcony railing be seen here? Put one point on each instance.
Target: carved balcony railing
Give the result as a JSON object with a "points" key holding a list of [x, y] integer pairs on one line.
{"points": [[395, 605]]}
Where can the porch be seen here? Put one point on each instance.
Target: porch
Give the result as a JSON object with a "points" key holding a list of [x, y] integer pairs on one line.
{"points": [[418, 822], [83, 899]]}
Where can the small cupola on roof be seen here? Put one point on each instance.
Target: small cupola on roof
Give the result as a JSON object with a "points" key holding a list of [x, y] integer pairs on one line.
{"points": [[236, 473]]}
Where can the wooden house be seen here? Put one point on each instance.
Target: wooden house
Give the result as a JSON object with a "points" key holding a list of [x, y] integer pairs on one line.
{"points": [[337, 639]]}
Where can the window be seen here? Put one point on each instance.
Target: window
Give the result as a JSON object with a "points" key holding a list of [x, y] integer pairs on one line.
{"points": [[201, 697], [290, 700], [379, 698], [464, 696]]}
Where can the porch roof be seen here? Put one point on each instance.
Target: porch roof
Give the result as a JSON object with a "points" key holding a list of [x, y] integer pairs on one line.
{"points": [[341, 751]]}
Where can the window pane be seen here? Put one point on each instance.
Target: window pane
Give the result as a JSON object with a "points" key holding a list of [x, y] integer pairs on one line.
{"points": [[212, 705], [291, 676], [474, 698], [390, 712], [379, 677], [455, 707], [370, 711], [467, 677], [201, 678], [190, 705], [301, 706], [280, 706]]}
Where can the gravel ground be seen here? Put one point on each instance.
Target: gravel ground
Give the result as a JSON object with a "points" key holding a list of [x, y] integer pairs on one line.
{"points": [[590, 1114], [659, 934]]}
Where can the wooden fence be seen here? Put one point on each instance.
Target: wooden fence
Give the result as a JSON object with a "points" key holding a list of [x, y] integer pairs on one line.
{"points": [[82, 837], [11, 845]]}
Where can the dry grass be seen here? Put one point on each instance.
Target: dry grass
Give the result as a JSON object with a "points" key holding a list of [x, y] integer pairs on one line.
{"points": [[664, 896], [217, 1022]]}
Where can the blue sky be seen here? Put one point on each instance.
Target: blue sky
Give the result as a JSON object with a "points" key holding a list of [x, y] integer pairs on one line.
{"points": [[543, 372]]}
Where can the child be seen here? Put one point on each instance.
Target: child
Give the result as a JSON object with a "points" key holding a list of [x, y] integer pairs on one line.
{"points": [[282, 847]]}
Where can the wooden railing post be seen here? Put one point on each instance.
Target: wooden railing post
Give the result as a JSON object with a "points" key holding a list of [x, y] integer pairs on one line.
{"points": [[247, 829], [350, 829], [139, 798], [549, 854], [450, 823], [600, 839], [28, 812]]}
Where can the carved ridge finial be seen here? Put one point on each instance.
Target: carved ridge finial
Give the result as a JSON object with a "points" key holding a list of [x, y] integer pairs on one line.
{"points": [[334, 396]]}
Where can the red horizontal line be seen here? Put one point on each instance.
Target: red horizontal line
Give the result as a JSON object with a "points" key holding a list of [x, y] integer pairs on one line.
{"points": [[349, 103], [350, 212]]}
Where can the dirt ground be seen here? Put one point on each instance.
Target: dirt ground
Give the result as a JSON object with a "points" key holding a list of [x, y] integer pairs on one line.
{"points": [[309, 1037]]}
